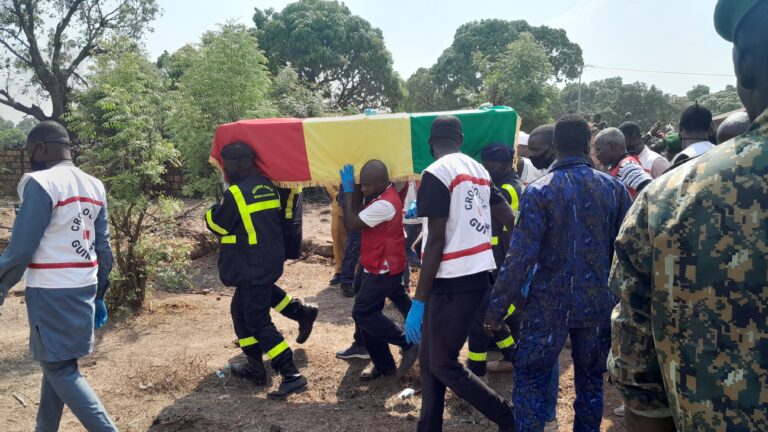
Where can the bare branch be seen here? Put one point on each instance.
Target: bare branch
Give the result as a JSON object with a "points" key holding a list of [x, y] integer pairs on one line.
{"points": [[33, 110], [60, 27]]}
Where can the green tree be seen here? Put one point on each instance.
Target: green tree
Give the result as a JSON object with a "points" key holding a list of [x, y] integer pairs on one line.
{"points": [[293, 99], [456, 72], [423, 93], [333, 51], [613, 99], [26, 124], [5, 124], [697, 92], [120, 119], [12, 138], [173, 66], [226, 81], [49, 40], [519, 78], [723, 101]]}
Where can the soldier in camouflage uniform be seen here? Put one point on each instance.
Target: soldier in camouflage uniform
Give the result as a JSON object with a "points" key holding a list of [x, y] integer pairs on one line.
{"points": [[690, 336]]}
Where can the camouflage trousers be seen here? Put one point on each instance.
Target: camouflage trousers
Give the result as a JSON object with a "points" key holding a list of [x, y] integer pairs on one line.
{"points": [[535, 357]]}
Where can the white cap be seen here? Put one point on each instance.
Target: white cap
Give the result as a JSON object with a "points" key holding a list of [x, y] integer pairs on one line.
{"points": [[522, 138]]}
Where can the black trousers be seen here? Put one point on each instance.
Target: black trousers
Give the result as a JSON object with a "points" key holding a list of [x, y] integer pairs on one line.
{"points": [[283, 303], [399, 297], [478, 340], [376, 330], [256, 332], [447, 319]]}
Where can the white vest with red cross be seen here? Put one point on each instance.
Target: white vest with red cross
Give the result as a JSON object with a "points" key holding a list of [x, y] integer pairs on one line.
{"points": [[468, 231], [66, 257]]}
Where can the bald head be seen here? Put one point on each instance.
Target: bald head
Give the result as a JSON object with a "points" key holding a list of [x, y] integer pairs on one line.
{"points": [[374, 178], [541, 148], [733, 126], [48, 143]]}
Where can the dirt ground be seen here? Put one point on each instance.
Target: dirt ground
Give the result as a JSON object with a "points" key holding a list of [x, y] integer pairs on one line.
{"points": [[157, 371]]}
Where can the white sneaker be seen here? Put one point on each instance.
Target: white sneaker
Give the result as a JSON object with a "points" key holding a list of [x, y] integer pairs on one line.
{"points": [[552, 426], [619, 411]]}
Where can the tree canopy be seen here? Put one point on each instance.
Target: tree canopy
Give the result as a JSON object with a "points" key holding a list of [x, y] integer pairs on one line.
{"points": [[226, 80], [697, 92], [333, 51], [456, 73], [613, 99], [519, 78], [723, 101], [48, 41]]}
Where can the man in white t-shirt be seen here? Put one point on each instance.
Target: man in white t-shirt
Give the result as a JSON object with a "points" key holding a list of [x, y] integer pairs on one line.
{"points": [[652, 162], [695, 128], [540, 154], [379, 219]]}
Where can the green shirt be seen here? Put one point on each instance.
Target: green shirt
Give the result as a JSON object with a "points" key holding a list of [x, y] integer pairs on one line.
{"points": [[690, 336]]}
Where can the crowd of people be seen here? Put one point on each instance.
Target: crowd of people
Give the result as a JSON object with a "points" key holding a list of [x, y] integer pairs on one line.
{"points": [[653, 266]]}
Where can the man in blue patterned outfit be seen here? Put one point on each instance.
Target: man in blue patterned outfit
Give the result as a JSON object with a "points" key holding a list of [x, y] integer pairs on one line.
{"points": [[568, 221]]}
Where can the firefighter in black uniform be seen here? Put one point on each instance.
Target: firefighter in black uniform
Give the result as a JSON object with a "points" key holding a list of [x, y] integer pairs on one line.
{"points": [[251, 259], [497, 158], [291, 208]]}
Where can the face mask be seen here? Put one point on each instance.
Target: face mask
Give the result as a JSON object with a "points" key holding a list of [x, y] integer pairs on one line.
{"points": [[541, 162]]}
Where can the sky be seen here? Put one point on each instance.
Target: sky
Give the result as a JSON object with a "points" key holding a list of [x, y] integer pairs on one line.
{"points": [[649, 35]]}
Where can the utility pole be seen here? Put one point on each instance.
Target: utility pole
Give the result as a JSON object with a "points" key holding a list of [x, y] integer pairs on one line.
{"points": [[578, 106]]}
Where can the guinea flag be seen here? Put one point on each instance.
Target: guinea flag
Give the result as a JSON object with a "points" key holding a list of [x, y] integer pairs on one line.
{"points": [[309, 152]]}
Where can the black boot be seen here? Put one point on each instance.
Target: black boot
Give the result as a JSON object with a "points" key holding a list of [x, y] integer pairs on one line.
{"points": [[306, 323], [293, 382], [254, 371], [347, 290]]}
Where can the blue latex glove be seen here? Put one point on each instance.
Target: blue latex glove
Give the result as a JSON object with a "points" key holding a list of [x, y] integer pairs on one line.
{"points": [[413, 322], [348, 178], [411, 213], [101, 314]]}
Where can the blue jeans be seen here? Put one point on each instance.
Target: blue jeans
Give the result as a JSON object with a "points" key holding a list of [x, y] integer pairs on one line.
{"points": [[63, 384]]}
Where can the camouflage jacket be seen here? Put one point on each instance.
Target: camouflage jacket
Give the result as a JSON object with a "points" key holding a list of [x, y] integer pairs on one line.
{"points": [[690, 335]]}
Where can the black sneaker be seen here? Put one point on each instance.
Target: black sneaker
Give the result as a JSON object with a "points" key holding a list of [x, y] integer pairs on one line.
{"points": [[253, 371], [375, 373], [306, 323], [335, 280], [289, 386], [348, 290], [354, 352], [410, 355]]}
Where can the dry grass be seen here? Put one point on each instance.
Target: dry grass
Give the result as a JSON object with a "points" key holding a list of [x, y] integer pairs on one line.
{"points": [[181, 373]]}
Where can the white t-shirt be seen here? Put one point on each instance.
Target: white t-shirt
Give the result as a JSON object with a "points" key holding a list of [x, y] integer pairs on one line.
{"points": [[693, 150], [377, 213], [652, 162], [530, 172]]}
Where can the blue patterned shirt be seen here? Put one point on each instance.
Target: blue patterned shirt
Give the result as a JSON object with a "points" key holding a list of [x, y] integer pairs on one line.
{"points": [[568, 222]]}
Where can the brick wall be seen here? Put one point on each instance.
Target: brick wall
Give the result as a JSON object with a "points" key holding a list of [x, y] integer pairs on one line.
{"points": [[14, 163]]}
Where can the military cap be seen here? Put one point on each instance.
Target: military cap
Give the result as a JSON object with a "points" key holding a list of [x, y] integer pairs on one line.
{"points": [[237, 150], [729, 14], [498, 152]]}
